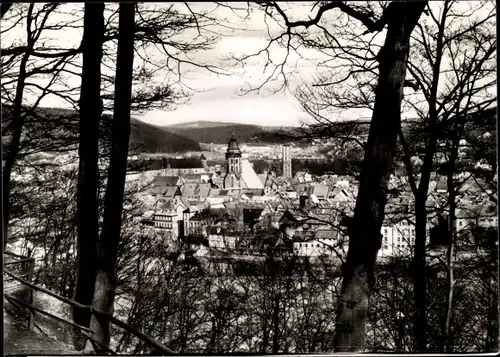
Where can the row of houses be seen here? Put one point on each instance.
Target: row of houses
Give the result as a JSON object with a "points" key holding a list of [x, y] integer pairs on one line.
{"points": [[306, 211]]}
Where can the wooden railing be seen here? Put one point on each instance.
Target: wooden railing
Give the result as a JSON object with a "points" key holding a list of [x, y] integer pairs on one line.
{"points": [[25, 266], [158, 348]]}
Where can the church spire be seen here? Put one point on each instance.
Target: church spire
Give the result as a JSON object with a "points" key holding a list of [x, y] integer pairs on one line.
{"points": [[232, 146]]}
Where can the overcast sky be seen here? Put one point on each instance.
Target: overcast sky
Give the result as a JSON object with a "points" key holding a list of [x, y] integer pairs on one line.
{"points": [[216, 97], [220, 96], [223, 100]]}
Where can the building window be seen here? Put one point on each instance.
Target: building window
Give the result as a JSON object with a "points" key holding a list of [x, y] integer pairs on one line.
{"points": [[386, 246], [385, 239], [385, 230], [399, 239]]}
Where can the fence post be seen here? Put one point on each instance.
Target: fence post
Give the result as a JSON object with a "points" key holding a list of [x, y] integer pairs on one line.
{"points": [[31, 315]]}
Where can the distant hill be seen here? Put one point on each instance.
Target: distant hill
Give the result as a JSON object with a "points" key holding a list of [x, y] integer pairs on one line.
{"points": [[220, 132], [215, 124], [200, 124], [56, 129], [151, 138]]}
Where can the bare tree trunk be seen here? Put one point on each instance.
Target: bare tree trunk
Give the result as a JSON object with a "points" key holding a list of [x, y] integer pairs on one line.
{"points": [[276, 321], [88, 176], [446, 342], [446, 338], [364, 230], [419, 272], [17, 120], [104, 294]]}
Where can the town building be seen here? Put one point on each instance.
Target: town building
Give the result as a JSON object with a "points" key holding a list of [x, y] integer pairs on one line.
{"points": [[239, 171], [168, 216], [287, 161]]}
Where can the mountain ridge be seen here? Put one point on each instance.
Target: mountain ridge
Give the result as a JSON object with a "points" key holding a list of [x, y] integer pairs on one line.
{"points": [[212, 124], [58, 128]]}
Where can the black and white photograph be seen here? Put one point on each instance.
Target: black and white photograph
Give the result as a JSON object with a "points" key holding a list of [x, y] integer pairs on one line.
{"points": [[249, 178]]}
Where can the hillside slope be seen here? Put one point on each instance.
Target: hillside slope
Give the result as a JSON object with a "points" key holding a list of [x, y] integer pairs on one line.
{"points": [[151, 138], [220, 133], [56, 129]]}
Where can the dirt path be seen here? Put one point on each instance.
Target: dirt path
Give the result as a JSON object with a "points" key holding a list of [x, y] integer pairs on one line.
{"points": [[20, 341]]}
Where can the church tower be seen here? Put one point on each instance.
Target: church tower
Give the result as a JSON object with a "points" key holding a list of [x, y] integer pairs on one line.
{"points": [[287, 161], [204, 163], [233, 169]]}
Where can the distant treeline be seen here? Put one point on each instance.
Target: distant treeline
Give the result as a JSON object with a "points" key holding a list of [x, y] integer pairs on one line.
{"points": [[339, 166], [163, 163]]}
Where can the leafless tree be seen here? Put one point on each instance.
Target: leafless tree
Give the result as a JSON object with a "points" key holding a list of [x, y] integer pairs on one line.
{"points": [[88, 179], [471, 49], [33, 129], [364, 232], [17, 69], [440, 92], [107, 247]]}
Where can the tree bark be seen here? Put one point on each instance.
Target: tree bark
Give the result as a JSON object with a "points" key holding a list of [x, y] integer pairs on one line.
{"points": [[105, 286], [419, 274], [419, 262], [446, 342], [88, 151], [364, 230]]}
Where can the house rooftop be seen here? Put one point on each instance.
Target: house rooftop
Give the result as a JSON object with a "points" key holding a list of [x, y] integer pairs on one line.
{"points": [[165, 180]]}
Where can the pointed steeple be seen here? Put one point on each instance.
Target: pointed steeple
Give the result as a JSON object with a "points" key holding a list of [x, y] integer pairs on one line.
{"points": [[233, 155], [232, 146]]}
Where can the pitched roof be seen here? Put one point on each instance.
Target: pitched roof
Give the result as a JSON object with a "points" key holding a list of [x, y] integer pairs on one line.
{"points": [[168, 191], [165, 205], [171, 191], [196, 189], [465, 213], [321, 191], [191, 177], [165, 180], [249, 176], [263, 178]]}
